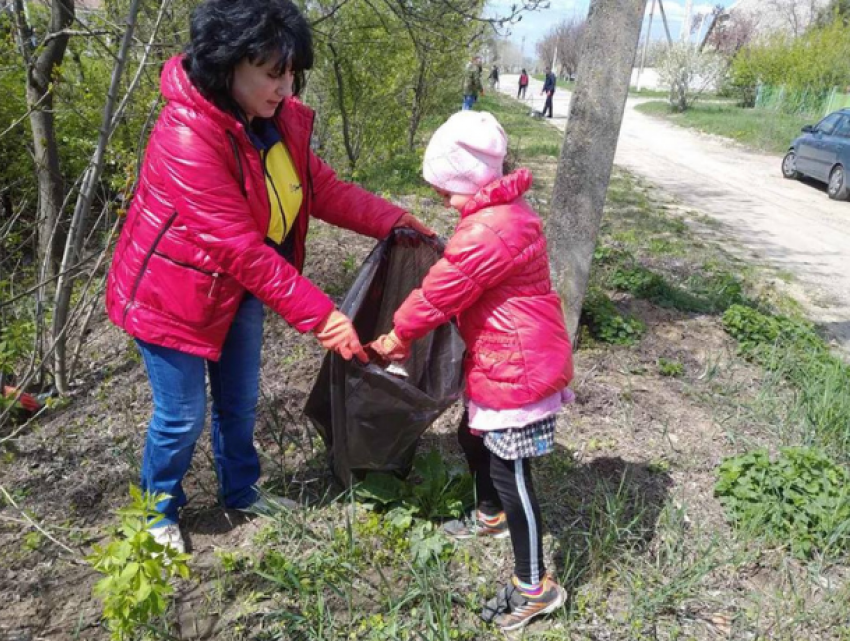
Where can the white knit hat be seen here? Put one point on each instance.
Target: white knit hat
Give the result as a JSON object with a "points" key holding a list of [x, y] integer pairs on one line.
{"points": [[465, 153]]}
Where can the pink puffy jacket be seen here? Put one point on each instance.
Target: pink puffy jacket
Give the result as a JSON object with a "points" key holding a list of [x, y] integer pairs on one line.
{"points": [[494, 277], [194, 238]]}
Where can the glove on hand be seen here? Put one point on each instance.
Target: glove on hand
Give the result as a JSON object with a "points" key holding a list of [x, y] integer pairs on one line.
{"points": [[391, 347], [412, 222], [338, 334]]}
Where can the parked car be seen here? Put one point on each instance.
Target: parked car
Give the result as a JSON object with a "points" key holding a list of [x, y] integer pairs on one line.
{"points": [[823, 153]]}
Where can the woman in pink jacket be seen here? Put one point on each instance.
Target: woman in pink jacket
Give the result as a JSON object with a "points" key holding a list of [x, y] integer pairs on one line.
{"points": [[216, 232], [494, 279]]}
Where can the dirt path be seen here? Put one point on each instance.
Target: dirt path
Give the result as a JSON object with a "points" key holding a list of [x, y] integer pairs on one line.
{"points": [[788, 225]]}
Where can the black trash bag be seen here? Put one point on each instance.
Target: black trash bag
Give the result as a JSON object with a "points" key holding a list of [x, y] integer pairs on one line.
{"points": [[371, 420]]}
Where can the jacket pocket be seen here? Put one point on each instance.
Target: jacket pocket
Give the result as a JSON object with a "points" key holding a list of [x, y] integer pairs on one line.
{"points": [[182, 291], [499, 358]]}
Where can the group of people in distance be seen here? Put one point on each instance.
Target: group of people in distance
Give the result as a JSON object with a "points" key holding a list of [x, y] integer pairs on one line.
{"points": [[472, 87]]}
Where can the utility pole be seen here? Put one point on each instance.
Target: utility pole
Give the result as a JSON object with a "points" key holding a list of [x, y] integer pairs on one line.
{"points": [[685, 33], [522, 54], [645, 45], [664, 20]]}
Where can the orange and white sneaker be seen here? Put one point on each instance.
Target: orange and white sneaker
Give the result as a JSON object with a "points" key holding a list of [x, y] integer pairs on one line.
{"points": [[513, 609]]}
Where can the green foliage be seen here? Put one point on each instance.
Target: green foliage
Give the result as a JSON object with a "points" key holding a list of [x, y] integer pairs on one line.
{"points": [[817, 60], [639, 281], [605, 323], [137, 569], [16, 341], [801, 499], [753, 329], [670, 368], [439, 491], [378, 73]]}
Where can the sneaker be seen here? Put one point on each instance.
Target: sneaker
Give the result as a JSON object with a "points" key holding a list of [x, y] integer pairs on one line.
{"points": [[513, 610], [268, 504], [479, 524], [169, 536]]}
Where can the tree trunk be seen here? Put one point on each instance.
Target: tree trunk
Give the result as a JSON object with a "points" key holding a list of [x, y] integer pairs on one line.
{"points": [[39, 93], [351, 149], [587, 156], [74, 244], [418, 100]]}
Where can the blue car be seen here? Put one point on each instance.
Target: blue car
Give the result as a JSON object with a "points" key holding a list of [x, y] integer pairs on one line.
{"points": [[823, 153]]}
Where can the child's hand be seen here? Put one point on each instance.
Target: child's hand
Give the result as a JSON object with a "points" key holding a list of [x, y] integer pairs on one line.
{"points": [[391, 347]]}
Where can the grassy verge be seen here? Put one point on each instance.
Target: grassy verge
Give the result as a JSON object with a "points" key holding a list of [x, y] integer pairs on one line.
{"points": [[764, 131]]}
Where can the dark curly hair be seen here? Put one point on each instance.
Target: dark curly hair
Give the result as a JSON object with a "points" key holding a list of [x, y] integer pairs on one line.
{"points": [[224, 32]]}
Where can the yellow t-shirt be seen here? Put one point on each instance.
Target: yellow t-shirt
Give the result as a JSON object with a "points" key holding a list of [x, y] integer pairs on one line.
{"points": [[284, 187]]}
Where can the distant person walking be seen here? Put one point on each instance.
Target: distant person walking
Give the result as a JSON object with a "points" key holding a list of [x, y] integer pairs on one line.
{"points": [[494, 77], [523, 85], [549, 89], [472, 83]]}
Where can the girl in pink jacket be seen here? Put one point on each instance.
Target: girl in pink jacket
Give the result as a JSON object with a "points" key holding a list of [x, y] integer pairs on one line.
{"points": [[494, 279]]}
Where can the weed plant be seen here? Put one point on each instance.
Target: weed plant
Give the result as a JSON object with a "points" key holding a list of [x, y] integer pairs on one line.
{"points": [[801, 499]]}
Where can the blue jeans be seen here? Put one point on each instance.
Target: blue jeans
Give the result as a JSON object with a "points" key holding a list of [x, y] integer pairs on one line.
{"points": [[468, 101], [178, 382]]}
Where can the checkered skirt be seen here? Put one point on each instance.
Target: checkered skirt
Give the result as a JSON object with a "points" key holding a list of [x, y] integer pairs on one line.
{"points": [[534, 439]]}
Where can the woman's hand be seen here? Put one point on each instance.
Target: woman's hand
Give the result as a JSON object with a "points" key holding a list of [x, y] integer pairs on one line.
{"points": [[336, 333], [391, 347], [412, 222]]}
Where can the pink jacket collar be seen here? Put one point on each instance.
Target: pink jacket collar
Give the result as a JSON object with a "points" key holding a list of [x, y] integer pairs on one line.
{"points": [[499, 192]]}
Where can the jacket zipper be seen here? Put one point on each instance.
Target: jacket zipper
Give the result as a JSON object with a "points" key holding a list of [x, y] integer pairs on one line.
{"points": [[145, 262]]}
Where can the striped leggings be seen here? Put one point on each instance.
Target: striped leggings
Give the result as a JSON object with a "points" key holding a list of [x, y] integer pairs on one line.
{"points": [[506, 485]]}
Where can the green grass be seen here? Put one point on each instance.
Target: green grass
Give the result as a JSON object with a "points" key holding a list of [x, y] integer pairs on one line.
{"points": [[650, 93], [569, 85], [761, 130]]}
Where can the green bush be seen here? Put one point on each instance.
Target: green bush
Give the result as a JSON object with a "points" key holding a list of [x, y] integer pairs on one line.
{"points": [[799, 500], [606, 324], [815, 61], [753, 329], [138, 570], [639, 281]]}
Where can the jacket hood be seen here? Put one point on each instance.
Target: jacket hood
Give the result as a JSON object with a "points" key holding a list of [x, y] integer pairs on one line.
{"points": [[177, 87], [499, 192]]}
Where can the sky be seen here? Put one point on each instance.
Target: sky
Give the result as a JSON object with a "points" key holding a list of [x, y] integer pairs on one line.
{"points": [[534, 25]]}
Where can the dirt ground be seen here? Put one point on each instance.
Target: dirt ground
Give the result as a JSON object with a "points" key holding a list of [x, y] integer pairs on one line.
{"points": [[787, 224]]}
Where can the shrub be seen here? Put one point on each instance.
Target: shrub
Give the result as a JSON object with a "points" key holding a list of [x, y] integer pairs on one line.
{"points": [[606, 324], [799, 500], [138, 569]]}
